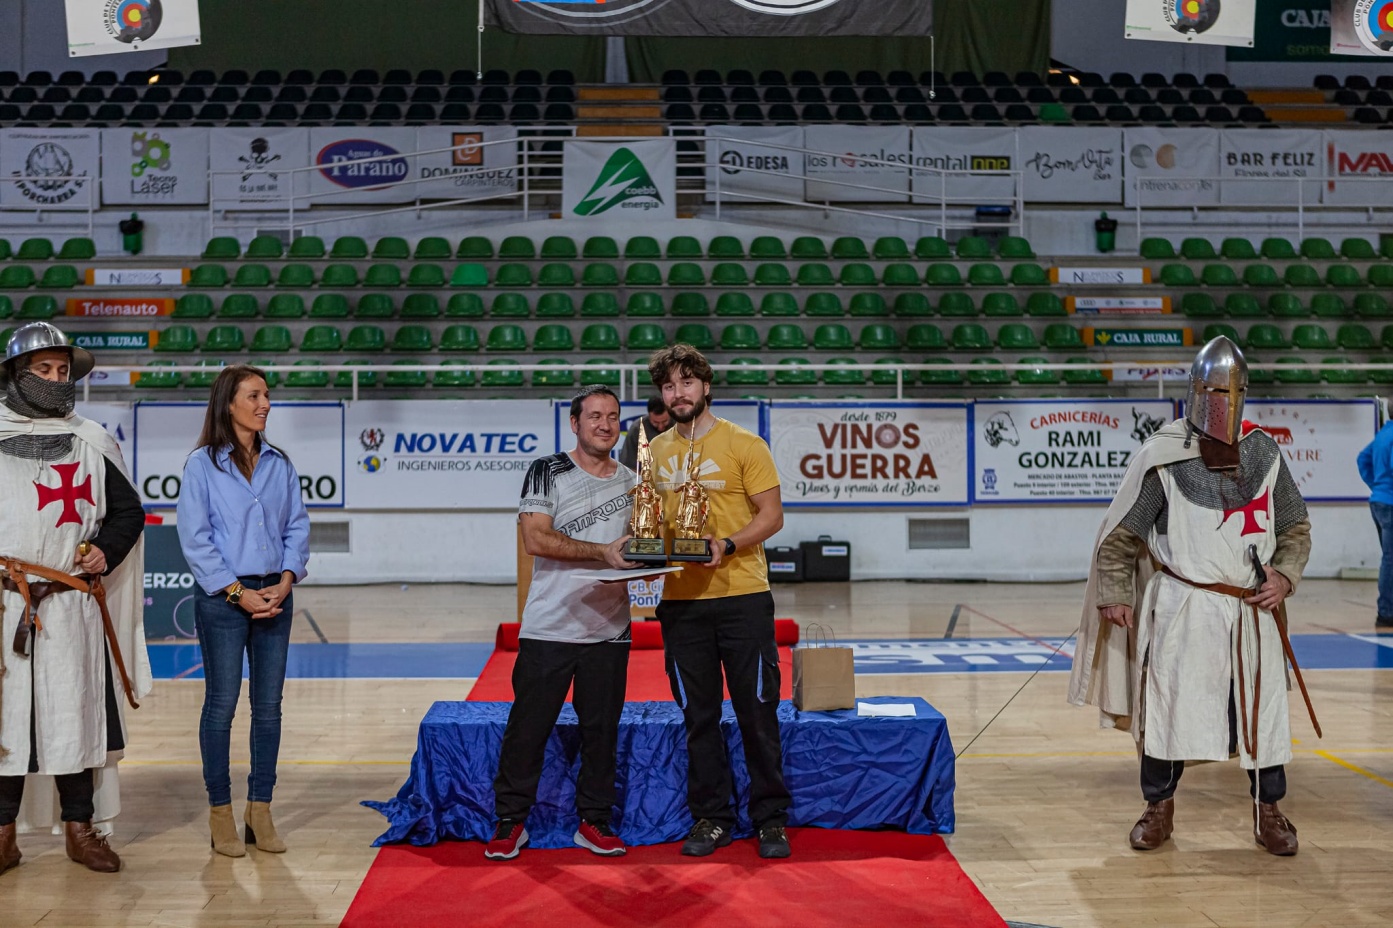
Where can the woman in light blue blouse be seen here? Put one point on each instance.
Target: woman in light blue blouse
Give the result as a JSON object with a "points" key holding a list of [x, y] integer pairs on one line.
{"points": [[245, 533]]}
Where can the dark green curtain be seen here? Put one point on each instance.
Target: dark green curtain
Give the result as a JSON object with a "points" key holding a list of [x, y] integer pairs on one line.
{"points": [[348, 34], [972, 35]]}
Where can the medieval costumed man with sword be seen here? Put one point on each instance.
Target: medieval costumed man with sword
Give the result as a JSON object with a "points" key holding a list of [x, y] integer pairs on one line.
{"points": [[71, 601], [1182, 642]]}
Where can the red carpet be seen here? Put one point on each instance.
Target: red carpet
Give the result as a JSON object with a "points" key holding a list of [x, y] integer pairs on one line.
{"points": [[835, 879]]}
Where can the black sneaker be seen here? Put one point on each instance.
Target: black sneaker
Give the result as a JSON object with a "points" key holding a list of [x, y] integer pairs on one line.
{"points": [[1384, 621], [773, 841], [704, 838]]}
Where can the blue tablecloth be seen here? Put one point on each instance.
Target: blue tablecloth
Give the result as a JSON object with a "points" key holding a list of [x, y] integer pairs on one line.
{"points": [[842, 770]]}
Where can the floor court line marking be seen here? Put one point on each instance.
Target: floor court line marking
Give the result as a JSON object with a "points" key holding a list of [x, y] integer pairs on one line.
{"points": [[1356, 768], [284, 763], [1016, 631], [953, 620], [314, 625], [184, 673]]}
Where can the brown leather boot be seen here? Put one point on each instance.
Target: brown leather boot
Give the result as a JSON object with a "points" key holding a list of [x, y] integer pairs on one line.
{"points": [[9, 851], [260, 830], [1273, 831], [1155, 825], [88, 847]]}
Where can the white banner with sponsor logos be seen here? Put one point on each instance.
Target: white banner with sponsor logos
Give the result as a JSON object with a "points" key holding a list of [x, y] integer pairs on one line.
{"points": [[343, 176], [1059, 451], [437, 454], [1171, 166], [1358, 166], [311, 434], [1321, 440], [49, 168], [956, 150], [1287, 161], [619, 181], [251, 167], [744, 413], [750, 164], [842, 159], [106, 27], [864, 454], [481, 160], [152, 167], [1071, 164], [1198, 22]]}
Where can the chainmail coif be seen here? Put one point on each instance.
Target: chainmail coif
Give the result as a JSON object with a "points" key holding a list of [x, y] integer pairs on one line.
{"points": [[31, 395]]}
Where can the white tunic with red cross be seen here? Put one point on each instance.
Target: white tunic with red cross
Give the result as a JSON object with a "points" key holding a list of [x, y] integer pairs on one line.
{"points": [[49, 508], [1194, 637]]}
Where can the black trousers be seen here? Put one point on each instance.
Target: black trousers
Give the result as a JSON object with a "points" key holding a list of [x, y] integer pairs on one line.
{"points": [[1159, 777], [736, 633], [74, 796], [544, 671]]}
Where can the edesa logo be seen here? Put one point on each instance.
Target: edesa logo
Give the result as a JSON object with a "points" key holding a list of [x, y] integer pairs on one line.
{"points": [[623, 180]]}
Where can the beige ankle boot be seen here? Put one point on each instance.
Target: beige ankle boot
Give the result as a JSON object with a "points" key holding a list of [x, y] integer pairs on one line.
{"points": [[224, 829], [261, 831]]}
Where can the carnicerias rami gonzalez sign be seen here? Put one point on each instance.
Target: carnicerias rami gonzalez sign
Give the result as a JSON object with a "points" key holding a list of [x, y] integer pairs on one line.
{"points": [[1059, 451], [870, 454]]}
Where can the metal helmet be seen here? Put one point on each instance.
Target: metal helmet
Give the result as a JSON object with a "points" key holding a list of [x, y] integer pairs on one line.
{"points": [[37, 336], [1218, 384]]}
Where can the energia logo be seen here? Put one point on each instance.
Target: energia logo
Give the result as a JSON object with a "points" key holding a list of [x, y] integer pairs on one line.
{"points": [[622, 179], [1373, 23], [132, 21], [1191, 15]]}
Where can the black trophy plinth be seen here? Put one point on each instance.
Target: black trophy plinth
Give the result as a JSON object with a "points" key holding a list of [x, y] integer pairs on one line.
{"points": [[651, 552]]}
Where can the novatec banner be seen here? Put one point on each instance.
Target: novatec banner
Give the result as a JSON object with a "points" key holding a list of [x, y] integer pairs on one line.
{"points": [[151, 167], [105, 27], [855, 155], [1201, 22], [49, 168], [473, 166], [345, 176], [748, 162], [714, 17], [1171, 167], [621, 181]]}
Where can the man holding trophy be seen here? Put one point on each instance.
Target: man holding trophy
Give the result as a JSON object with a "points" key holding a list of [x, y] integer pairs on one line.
{"points": [[721, 491]]}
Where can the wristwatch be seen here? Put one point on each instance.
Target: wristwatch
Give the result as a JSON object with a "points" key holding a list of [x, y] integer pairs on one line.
{"points": [[235, 597], [730, 546]]}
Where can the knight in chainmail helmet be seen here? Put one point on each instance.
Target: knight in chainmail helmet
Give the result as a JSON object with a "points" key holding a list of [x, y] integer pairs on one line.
{"points": [[1182, 641], [32, 394]]}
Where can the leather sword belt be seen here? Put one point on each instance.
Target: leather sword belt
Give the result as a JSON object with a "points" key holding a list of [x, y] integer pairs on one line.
{"points": [[16, 579], [1225, 589]]}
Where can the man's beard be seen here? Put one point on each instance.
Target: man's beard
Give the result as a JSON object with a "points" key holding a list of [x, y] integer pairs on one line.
{"points": [[690, 415]]}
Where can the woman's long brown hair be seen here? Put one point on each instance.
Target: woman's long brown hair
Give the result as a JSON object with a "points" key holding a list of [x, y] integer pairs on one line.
{"points": [[218, 430]]}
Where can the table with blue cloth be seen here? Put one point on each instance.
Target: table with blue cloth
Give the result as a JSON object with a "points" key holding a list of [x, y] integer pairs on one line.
{"points": [[844, 771]]}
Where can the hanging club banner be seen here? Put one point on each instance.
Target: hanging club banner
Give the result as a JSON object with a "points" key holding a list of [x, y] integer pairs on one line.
{"points": [[1201, 22], [620, 181], [1361, 27], [713, 17], [105, 27]]}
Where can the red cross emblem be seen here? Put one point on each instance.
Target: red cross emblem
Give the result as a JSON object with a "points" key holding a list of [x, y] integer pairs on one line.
{"points": [[66, 493], [1250, 515]]}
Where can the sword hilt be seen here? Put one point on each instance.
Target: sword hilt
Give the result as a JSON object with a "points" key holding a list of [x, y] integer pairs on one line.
{"points": [[1257, 565]]}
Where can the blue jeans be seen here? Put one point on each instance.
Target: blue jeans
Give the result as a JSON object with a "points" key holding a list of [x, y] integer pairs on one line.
{"points": [[225, 633], [1383, 521]]}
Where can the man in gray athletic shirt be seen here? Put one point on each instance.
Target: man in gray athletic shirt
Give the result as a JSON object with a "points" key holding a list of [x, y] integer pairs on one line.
{"points": [[574, 515]]}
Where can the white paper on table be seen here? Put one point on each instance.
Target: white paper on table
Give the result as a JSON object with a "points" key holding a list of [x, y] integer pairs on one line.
{"points": [[611, 575], [886, 710]]}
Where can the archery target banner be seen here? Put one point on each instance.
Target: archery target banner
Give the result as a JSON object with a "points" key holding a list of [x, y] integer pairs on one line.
{"points": [[1200, 22], [1361, 27], [1170, 167], [105, 27], [49, 168], [154, 166]]}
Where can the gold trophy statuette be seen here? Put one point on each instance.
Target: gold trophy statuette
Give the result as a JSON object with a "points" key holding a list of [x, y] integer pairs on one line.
{"points": [[690, 523], [648, 546]]}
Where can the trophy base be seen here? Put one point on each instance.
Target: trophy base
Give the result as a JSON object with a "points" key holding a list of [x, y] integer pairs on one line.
{"points": [[651, 552], [691, 549]]}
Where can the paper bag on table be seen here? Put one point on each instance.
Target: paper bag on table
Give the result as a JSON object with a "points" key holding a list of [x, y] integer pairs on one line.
{"points": [[823, 675]]}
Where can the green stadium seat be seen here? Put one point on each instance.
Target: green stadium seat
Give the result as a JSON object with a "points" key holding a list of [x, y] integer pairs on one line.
{"points": [[224, 339], [1261, 275], [869, 304], [1339, 377], [375, 306], [767, 246], [1286, 306], [690, 304], [973, 247], [1218, 275], [39, 306], [160, 380], [510, 305], [645, 304], [469, 274], [601, 371], [272, 338], [1353, 336], [204, 275], [793, 373], [987, 376], [890, 248], [1386, 339], [420, 306], [1037, 377], [734, 304], [1371, 305], [728, 274], [599, 304], [1358, 249], [366, 338], [517, 248], [697, 335], [900, 274], [643, 274], [599, 274], [772, 275], [449, 374], [556, 275], [1045, 304], [646, 336], [177, 338], [264, 248], [459, 337], [1177, 275], [808, 248], [839, 378], [1343, 275], [285, 306], [559, 248], [1015, 336], [1259, 375], [1000, 304], [600, 247], [956, 304], [344, 379], [942, 275], [725, 247], [34, 249], [1014, 248], [1196, 249], [1311, 337], [551, 337], [642, 246], [1062, 336], [970, 336], [1029, 274], [887, 377], [59, 277], [815, 275], [222, 248], [193, 306], [4, 254], [329, 305], [475, 248], [925, 336], [561, 376], [385, 276], [1157, 249], [498, 376], [506, 337], [938, 378], [555, 305], [823, 304], [1317, 249], [786, 337], [513, 275], [747, 378], [684, 246], [1084, 377], [77, 249], [300, 276], [1329, 306], [252, 275], [1238, 249], [778, 304], [849, 248], [307, 246], [17, 277], [433, 248], [322, 338], [339, 276], [411, 338], [985, 275], [879, 337], [1291, 376], [740, 336], [308, 377], [599, 336], [833, 337], [391, 248], [1216, 329], [917, 304], [1243, 305], [426, 275], [1381, 276], [1277, 249], [239, 306], [349, 248], [857, 275], [465, 305]]}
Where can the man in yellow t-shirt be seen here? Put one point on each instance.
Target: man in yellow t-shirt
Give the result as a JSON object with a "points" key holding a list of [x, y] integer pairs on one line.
{"points": [[720, 614]]}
